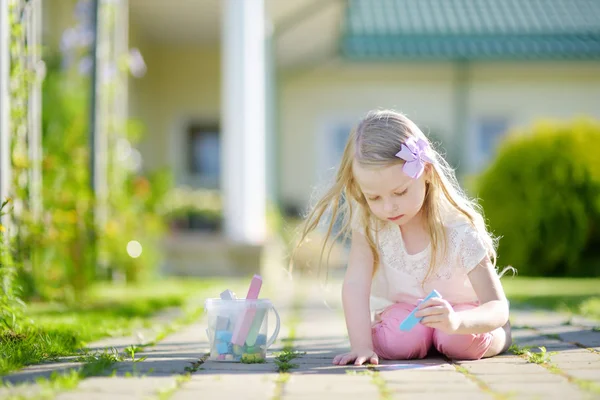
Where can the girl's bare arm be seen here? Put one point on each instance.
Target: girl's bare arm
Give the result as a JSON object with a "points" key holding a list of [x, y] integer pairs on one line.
{"points": [[356, 290]]}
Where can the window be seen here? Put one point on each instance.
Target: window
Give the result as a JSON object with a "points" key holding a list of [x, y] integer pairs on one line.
{"points": [[489, 132], [330, 147], [204, 146], [339, 139]]}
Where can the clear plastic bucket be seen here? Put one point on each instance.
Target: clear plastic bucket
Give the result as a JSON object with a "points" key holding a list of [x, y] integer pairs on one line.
{"points": [[237, 329]]}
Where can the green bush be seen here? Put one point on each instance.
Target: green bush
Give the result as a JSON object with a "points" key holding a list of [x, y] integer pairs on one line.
{"points": [[541, 195], [10, 303], [63, 242]]}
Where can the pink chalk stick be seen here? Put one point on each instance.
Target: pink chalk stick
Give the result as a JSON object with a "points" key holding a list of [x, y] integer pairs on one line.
{"points": [[243, 324], [254, 289]]}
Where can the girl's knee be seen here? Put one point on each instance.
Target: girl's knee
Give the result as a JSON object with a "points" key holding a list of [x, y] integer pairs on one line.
{"points": [[462, 347], [391, 343]]}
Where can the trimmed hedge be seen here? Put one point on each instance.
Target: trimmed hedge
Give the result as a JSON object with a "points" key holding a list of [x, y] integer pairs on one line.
{"points": [[541, 195]]}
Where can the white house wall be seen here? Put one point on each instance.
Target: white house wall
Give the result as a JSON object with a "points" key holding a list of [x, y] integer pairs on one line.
{"points": [[312, 104], [181, 86], [524, 94]]}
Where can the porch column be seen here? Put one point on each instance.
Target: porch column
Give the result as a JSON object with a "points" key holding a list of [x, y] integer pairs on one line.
{"points": [[5, 164], [243, 120], [34, 115]]}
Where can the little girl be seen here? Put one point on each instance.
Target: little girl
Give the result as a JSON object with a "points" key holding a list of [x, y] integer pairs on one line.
{"points": [[413, 230]]}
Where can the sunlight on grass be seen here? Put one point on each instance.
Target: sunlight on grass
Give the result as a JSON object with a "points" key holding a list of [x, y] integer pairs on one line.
{"points": [[573, 295], [56, 330]]}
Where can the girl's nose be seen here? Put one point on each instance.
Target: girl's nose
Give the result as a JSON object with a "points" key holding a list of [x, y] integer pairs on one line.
{"points": [[388, 207]]}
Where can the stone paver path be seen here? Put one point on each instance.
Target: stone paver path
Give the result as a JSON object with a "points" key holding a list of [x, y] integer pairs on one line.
{"points": [[313, 324]]}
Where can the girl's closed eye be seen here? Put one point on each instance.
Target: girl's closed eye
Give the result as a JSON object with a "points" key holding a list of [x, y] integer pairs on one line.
{"points": [[395, 194]]}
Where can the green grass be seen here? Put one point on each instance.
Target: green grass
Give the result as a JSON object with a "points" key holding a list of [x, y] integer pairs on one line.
{"points": [[573, 295], [535, 357], [51, 331], [479, 382], [282, 360], [166, 393], [96, 364], [542, 358]]}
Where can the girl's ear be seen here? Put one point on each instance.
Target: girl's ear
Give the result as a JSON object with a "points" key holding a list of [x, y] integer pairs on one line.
{"points": [[428, 172]]}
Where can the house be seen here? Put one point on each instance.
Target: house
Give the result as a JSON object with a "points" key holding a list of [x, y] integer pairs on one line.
{"points": [[466, 71]]}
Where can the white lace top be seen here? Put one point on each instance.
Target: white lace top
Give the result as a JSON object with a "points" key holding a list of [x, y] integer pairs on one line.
{"points": [[400, 275]]}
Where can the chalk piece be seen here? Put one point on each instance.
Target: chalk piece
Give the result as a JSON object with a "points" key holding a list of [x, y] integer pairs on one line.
{"points": [[257, 323], [223, 336], [228, 295], [410, 321], [243, 324], [261, 340], [222, 348]]}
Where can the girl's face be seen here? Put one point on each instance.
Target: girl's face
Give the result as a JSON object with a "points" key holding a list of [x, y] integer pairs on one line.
{"points": [[391, 194]]}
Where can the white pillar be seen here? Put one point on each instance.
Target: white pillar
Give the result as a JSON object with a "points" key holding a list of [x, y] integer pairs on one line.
{"points": [[5, 164], [100, 138], [243, 120], [271, 117], [34, 115]]}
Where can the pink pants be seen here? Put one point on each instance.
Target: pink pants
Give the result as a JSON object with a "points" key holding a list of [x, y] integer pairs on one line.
{"points": [[393, 344]]}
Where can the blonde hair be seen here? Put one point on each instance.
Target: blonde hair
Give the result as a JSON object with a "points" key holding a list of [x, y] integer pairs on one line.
{"points": [[374, 144]]}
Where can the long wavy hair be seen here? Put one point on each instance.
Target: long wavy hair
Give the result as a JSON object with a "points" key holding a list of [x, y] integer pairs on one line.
{"points": [[373, 144]]}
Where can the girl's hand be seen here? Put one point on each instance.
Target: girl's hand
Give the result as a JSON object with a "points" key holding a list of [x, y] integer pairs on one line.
{"points": [[359, 357], [438, 313]]}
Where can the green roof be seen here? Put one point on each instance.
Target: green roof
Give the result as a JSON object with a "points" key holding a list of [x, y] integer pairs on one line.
{"points": [[471, 29]]}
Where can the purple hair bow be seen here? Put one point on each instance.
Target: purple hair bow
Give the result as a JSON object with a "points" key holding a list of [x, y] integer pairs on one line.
{"points": [[413, 152]]}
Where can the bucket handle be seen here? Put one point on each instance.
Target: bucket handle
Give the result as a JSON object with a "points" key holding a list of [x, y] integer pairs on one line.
{"points": [[277, 326]]}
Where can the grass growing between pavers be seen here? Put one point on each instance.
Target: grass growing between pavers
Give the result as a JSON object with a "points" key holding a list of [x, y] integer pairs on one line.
{"points": [[579, 296], [280, 382], [166, 393], [383, 389], [98, 363], [284, 364], [94, 364], [51, 331], [284, 358], [543, 358], [481, 384], [556, 336]]}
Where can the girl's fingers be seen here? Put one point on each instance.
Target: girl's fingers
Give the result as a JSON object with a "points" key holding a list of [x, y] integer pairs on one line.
{"points": [[430, 324], [347, 358], [430, 303], [360, 360], [434, 310], [338, 359], [430, 320], [344, 359]]}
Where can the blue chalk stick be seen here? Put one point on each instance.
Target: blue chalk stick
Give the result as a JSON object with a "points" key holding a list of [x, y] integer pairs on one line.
{"points": [[223, 336], [261, 340], [222, 348], [410, 321]]}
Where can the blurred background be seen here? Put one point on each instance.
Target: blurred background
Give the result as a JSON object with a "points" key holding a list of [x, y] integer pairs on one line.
{"points": [[146, 138]]}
